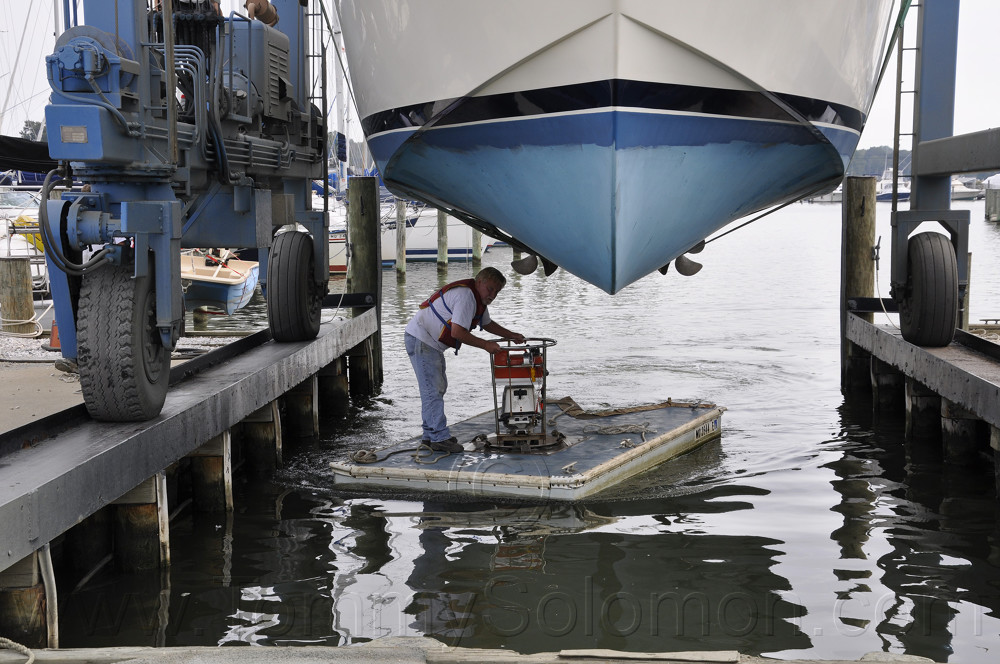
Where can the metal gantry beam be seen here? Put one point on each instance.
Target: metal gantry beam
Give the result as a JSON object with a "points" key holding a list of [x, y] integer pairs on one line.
{"points": [[934, 103], [937, 153]]}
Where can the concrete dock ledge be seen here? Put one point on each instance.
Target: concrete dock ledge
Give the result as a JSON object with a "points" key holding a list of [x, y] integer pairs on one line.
{"points": [[403, 650]]}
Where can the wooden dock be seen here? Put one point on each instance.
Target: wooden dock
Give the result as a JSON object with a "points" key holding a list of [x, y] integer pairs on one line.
{"points": [[966, 372], [951, 393], [59, 482]]}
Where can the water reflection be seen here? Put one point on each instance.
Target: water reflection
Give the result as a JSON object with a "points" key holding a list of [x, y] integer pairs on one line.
{"points": [[923, 523], [549, 578]]}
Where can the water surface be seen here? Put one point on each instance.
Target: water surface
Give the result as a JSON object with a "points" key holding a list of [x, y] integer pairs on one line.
{"points": [[811, 529]]}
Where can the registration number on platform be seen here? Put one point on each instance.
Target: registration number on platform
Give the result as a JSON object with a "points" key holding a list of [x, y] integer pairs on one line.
{"points": [[706, 429]]}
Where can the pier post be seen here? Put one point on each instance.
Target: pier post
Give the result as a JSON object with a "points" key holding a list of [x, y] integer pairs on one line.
{"points": [[212, 475], [857, 273], [259, 437], [91, 542], [302, 409], [993, 205], [960, 432], [361, 365], [923, 411], [963, 314], [442, 256], [888, 390], [333, 388], [15, 294], [400, 237], [23, 606], [366, 264], [477, 246], [995, 445], [141, 527]]}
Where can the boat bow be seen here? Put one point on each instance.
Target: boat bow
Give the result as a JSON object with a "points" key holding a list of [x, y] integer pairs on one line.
{"points": [[612, 137]]}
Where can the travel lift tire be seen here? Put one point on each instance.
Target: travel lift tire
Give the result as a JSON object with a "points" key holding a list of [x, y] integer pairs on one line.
{"points": [[294, 299], [928, 307], [124, 369]]}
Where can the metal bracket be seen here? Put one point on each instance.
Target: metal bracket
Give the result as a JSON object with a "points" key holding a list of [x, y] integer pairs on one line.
{"points": [[905, 222]]}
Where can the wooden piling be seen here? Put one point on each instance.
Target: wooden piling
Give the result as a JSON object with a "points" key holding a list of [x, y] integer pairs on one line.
{"points": [[442, 255], [995, 445], [477, 246], [366, 264], [23, 606], [259, 438], [963, 314], [91, 542], [960, 434], [857, 273], [888, 388], [334, 395], [302, 409], [212, 475], [15, 295], [993, 205], [361, 368], [923, 411], [400, 237], [141, 530]]}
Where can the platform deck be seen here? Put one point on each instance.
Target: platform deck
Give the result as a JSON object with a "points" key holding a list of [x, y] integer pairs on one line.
{"points": [[600, 450]]}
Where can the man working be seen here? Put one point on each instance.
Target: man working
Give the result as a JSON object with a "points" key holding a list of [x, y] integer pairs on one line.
{"points": [[444, 321]]}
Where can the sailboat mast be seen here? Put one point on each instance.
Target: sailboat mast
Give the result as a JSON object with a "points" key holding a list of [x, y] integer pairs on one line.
{"points": [[338, 43], [17, 62]]}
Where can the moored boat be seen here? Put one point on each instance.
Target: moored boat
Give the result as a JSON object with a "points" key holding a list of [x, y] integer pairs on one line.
{"points": [[19, 234], [217, 280], [421, 238], [583, 138], [886, 188], [962, 192]]}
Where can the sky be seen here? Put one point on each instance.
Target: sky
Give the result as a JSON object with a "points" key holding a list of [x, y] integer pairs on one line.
{"points": [[24, 90]]}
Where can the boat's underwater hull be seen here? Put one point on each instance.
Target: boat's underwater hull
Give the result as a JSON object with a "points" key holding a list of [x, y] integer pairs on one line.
{"points": [[591, 134], [610, 196]]}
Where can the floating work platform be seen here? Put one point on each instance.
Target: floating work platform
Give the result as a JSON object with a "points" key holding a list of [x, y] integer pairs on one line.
{"points": [[595, 451]]}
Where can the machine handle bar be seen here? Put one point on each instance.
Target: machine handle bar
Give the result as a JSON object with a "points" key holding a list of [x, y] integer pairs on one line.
{"points": [[529, 342]]}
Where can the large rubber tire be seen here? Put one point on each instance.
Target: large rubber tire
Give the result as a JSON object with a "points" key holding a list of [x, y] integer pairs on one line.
{"points": [[928, 309], [294, 299], [124, 369]]}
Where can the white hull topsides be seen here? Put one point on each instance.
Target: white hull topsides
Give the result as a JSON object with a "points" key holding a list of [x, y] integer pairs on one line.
{"points": [[828, 51], [581, 128]]}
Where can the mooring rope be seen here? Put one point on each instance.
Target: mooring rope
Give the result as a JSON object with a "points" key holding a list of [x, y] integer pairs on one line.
{"points": [[17, 647], [419, 453], [427, 452], [617, 429]]}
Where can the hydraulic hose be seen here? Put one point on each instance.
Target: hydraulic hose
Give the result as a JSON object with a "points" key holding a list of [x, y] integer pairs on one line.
{"points": [[53, 245]]}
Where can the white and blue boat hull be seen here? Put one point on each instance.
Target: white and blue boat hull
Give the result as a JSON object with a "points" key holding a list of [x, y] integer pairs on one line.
{"points": [[705, 114], [608, 195]]}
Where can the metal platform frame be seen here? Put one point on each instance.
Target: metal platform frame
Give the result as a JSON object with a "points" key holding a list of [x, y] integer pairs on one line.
{"points": [[937, 153]]}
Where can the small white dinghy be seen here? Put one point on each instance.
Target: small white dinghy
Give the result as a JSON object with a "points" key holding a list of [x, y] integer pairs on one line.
{"points": [[219, 281]]}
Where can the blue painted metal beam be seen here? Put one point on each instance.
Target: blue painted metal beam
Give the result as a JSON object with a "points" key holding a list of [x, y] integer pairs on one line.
{"points": [[934, 103]]}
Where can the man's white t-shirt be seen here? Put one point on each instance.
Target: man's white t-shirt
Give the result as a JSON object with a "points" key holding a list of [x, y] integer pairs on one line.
{"points": [[426, 326]]}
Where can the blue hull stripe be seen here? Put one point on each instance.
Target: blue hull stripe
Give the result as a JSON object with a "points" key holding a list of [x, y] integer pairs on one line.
{"points": [[613, 93], [615, 194]]}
